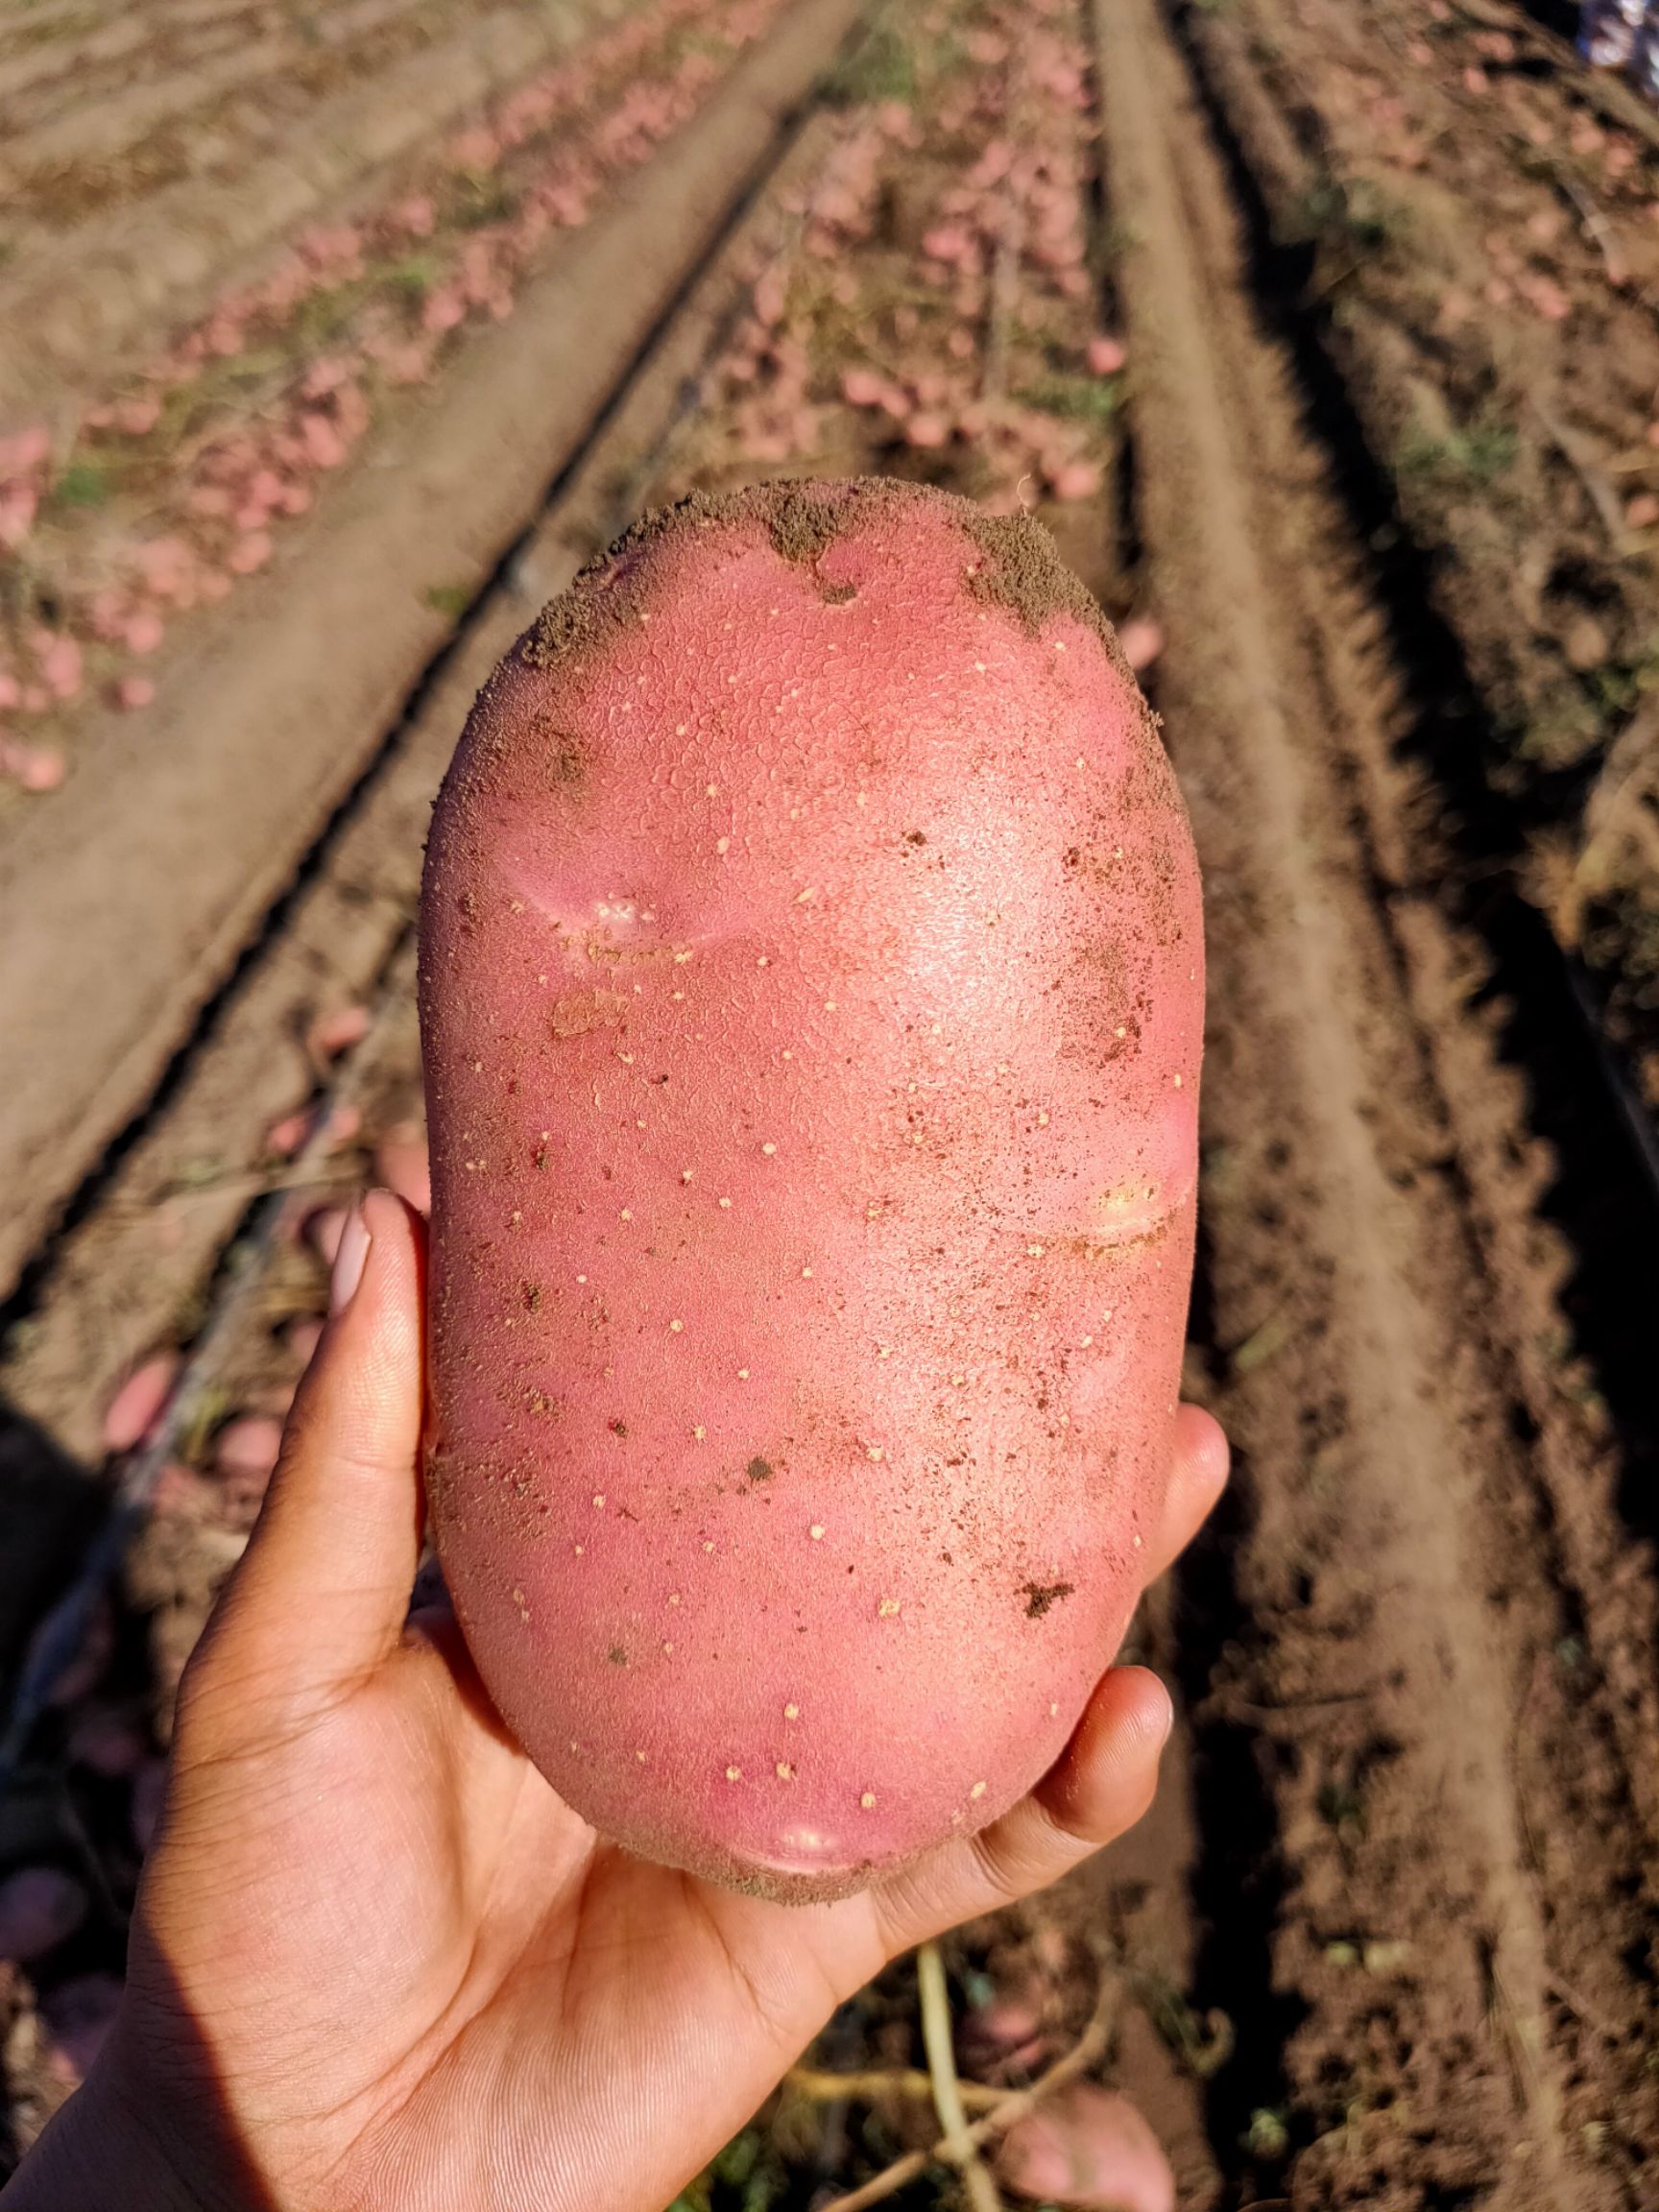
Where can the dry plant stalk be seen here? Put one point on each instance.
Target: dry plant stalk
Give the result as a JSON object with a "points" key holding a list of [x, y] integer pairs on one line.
{"points": [[960, 2148], [819, 2086], [1089, 2048]]}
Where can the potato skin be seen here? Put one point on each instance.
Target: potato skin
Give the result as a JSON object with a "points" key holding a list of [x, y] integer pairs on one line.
{"points": [[811, 992]]}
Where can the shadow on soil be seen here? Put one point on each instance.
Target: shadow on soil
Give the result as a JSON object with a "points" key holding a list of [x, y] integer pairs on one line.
{"points": [[1237, 1885], [50, 1507]]}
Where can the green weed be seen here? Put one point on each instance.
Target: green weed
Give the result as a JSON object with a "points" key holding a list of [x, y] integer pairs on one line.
{"points": [[747, 2176], [414, 275], [882, 67], [1267, 2137], [82, 484], [1078, 398], [1478, 452]]}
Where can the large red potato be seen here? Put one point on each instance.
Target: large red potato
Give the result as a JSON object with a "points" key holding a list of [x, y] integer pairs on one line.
{"points": [[812, 1001]]}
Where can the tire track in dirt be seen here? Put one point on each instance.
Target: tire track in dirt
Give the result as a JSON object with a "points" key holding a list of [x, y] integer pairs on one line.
{"points": [[1444, 1882], [1444, 869], [1563, 1228], [1468, 849]]}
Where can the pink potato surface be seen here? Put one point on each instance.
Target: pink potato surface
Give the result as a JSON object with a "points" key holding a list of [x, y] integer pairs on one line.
{"points": [[811, 989]]}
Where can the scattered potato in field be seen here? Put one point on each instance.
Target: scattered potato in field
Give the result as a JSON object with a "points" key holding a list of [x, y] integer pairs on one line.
{"points": [[1142, 641], [78, 2014], [812, 1003], [1004, 2033], [40, 1907], [287, 1137], [1092, 2148], [33, 768], [337, 1032], [136, 1406], [402, 1165], [248, 1444], [1075, 480]]}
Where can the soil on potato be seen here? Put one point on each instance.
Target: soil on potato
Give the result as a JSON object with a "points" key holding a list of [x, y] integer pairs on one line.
{"points": [[1387, 1938]]}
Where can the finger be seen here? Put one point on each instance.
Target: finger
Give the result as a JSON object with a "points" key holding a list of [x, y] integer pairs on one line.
{"points": [[1102, 1783], [1197, 1478], [320, 1596]]}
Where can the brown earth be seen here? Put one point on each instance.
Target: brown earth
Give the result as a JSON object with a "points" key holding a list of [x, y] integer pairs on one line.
{"points": [[1387, 1939], [263, 728], [1465, 1815], [1473, 215], [99, 257]]}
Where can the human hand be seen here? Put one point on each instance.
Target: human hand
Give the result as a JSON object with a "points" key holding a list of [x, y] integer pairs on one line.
{"points": [[376, 1962]]}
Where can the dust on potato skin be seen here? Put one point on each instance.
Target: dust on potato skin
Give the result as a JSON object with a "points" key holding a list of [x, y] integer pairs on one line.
{"points": [[1019, 568], [962, 1521]]}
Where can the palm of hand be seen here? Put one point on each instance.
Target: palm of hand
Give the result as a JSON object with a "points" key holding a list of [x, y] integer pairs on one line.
{"points": [[441, 1953], [377, 1961]]}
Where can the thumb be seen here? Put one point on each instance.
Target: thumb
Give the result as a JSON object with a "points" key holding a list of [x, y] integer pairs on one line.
{"points": [[320, 1596]]}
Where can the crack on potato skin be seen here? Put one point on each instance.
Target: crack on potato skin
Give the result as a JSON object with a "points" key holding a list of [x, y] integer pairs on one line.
{"points": [[595, 948]]}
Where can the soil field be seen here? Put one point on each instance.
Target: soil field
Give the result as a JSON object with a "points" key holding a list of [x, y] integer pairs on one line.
{"points": [[1322, 338]]}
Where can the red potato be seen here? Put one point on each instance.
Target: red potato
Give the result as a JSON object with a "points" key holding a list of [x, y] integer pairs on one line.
{"points": [[811, 992], [1004, 2033], [79, 2015], [400, 1163], [139, 1405], [40, 1907], [1089, 2147], [249, 1445]]}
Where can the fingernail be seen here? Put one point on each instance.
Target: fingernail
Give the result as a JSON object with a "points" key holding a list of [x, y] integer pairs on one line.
{"points": [[1168, 1720], [349, 1260]]}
